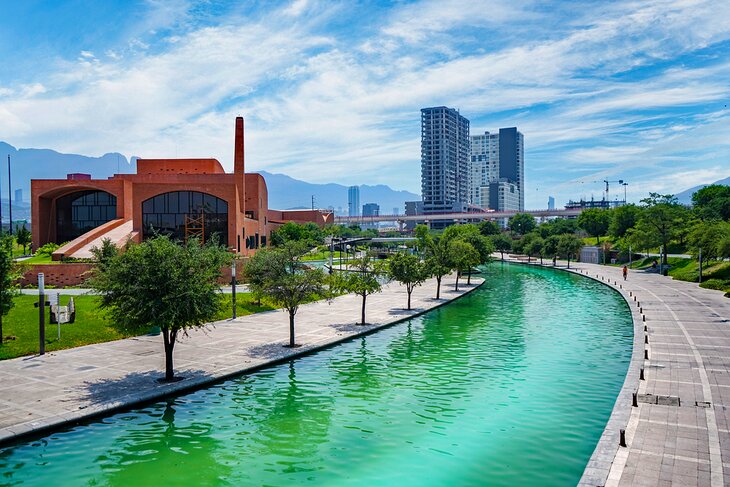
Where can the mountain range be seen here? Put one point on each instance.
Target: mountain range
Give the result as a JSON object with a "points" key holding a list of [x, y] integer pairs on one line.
{"points": [[685, 197], [284, 192]]}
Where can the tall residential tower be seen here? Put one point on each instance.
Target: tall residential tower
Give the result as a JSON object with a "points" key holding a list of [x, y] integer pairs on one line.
{"points": [[444, 160], [353, 201], [497, 164]]}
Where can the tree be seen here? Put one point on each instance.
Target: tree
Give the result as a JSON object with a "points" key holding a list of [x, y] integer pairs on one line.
{"points": [[558, 226], [362, 279], [623, 218], [105, 254], [660, 220], [308, 233], [502, 243], [708, 235], [463, 257], [23, 236], [423, 236], [162, 283], [470, 234], [533, 246], [550, 246], [279, 274], [712, 202], [489, 228], [569, 245], [438, 261], [595, 222], [9, 272], [409, 270], [522, 223]]}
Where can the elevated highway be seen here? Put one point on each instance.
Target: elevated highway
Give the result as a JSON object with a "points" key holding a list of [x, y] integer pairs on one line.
{"points": [[487, 215]]}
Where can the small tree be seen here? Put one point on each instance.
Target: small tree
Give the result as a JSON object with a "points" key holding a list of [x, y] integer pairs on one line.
{"points": [[104, 254], [522, 223], [489, 228], [550, 246], [502, 243], [438, 262], [534, 246], [407, 269], [162, 283], [569, 245], [23, 236], [279, 274], [463, 257], [8, 274], [362, 279], [595, 222], [660, 219]]}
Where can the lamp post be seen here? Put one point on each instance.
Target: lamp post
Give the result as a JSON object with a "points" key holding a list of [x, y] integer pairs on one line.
{"points": [[233, 287], [42, 314], [10, 197]]}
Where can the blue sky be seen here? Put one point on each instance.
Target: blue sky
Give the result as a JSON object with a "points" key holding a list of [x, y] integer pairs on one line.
{"points": [[331, 91]]}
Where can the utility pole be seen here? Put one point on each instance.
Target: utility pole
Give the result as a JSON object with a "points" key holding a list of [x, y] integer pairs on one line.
{"points": [[10, 197], [312, 202]]}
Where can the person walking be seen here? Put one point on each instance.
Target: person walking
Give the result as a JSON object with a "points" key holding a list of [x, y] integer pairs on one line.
{"points": [[625, 272]]}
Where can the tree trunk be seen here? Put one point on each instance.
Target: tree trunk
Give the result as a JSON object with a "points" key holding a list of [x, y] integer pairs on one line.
{"points": [[501, 252], [456, 288], [438, 287], [364, 296], [169, 340], [598, 240], [291, 329], [568, 262], [409, 290], [541, 260], [468, 279]]}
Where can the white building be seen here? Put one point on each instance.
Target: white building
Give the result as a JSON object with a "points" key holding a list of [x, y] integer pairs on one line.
{"points": [[493, 157]]}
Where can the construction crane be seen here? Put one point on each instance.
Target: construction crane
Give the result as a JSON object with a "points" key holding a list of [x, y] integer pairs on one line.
{"points": [[621, 182]]}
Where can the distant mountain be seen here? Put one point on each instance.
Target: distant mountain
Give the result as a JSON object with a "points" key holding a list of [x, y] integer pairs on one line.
{"points": [[288, 193], [284, 192], [685, 197]]}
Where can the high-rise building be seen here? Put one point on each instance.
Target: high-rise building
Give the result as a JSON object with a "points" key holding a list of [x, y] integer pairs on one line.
{"points": [[551, 203], [18, 196], [444, 160], [494, 157], [353, 201], [370, 209]]}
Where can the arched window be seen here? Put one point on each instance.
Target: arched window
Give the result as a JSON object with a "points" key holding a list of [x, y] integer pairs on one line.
{"points": [[186, 214], [79, 212]]}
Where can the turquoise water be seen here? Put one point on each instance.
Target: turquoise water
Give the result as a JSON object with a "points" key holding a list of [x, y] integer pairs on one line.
{"points": [[511, 385]]}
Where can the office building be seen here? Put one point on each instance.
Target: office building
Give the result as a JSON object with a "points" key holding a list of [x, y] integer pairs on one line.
{"points": [[551, 203], [370, 209], [494, 157], [353, 201], [444, 160]]}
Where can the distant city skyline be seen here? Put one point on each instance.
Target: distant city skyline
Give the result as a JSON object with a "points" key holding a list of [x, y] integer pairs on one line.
{"points": [[602, 90]]}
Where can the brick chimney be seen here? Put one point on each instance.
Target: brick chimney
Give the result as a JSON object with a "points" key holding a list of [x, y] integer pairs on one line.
{"points": [[238, 164]]}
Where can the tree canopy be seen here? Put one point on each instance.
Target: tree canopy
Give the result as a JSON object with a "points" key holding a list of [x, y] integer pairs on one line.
{"points": [[522, 223], [9, 272], [362, 278], [409, 270], [162, 283], [595, 222]]}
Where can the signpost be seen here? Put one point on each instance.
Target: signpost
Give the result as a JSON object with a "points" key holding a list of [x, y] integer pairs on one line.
{"points": [[233, 286], [42, 313]]}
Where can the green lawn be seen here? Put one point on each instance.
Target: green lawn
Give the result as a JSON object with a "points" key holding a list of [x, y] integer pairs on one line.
{"points": [[91, 326], [715, 275], [592, 240], [40, 259]]}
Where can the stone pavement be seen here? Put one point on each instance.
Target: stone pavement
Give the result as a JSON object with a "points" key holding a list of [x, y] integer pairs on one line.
{"points": [[679, 432], [42, 393]]}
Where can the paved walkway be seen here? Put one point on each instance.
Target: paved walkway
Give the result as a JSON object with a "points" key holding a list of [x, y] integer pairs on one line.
{"points": [[679, 433], [40, 393]]}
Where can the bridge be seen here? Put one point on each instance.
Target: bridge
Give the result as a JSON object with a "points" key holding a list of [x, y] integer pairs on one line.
{"points": [[487, 215]]}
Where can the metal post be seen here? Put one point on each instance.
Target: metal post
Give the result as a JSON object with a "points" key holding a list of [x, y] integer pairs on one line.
{"points": [[10, 197], [332, 250], [58, 317], [661, 260], [41, 314], [233, 287], [630, 255], [700, 265]]}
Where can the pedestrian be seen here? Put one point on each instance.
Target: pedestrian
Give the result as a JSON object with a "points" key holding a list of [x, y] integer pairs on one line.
{"points": [[625, 272]]}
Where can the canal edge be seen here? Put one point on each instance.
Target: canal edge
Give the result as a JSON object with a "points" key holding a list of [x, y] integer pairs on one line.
{"points": [[607, 451], [11, 436]]}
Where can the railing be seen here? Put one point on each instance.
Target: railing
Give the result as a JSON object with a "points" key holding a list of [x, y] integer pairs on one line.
{"points": [[489, 215]]}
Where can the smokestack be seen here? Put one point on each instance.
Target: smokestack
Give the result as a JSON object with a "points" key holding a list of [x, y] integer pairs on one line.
{"points": [[238, 165]]}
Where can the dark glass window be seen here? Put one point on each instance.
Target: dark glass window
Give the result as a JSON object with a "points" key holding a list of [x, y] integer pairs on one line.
{"points": [[185, 214], [79, 212]]}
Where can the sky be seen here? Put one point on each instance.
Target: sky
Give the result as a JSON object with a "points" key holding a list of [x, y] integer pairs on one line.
{"points": [[332, 91]]}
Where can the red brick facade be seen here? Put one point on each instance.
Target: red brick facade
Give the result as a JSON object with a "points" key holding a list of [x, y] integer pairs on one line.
{"points": [[250, 222]]}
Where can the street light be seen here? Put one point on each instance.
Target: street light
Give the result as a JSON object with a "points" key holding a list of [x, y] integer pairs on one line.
{"points": [[233, 287]]}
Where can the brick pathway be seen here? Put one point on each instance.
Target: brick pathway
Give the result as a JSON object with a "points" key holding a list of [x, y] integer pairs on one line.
{"points": [[41, 393]]}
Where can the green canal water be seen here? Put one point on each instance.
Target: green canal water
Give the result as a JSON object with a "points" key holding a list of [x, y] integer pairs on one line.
{"points": [[511, 385]]}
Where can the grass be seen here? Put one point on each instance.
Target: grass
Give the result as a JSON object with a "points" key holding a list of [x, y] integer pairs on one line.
{"points": [[715, 275], [41, 259], [592, 240], [319, 255], [92, 324]]}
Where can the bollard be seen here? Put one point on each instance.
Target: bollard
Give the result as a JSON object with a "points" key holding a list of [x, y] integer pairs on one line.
{"points": [[622, 439], [641, 373], [643, 318], [634, 400], [646, 338], [641, 310], [646, 328], [631, 293], [646, 354]]}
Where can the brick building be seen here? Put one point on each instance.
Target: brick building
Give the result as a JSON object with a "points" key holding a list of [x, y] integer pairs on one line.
{"points": [[182, 198]]}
